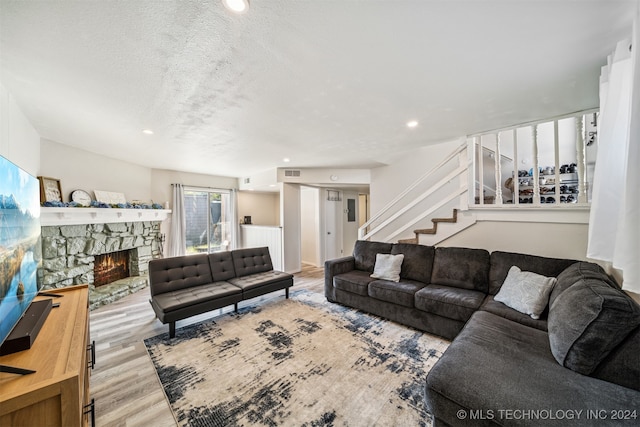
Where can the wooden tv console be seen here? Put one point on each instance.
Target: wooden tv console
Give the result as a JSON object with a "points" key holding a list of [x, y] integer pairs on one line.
{"points": [[57, 394]]}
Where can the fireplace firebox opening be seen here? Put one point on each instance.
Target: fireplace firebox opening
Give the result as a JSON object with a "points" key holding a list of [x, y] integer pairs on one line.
{"points": [[110, 267]]}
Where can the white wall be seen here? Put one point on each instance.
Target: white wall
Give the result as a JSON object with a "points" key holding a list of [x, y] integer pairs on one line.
{"points": [[388, 181], [310, 225], [80, 169], [290, 221], [19, 141], [543, 239], [162, 179], [326, 176], [264, 208]]}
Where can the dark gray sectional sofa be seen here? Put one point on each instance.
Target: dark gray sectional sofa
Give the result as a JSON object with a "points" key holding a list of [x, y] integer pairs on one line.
{"points": [[578, 364], [188, 285]]}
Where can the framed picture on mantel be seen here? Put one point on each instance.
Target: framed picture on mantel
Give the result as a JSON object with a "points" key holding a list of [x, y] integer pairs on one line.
{"points": [[50, 189]]}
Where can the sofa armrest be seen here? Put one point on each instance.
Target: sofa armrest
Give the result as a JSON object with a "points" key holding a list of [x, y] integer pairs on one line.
{"points": [[332, 268]]}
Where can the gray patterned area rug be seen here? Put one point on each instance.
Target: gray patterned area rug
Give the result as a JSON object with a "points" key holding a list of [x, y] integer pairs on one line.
{"points": [[296, 362]]}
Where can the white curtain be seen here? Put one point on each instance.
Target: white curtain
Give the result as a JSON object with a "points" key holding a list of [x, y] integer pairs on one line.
{"points": [[177, 233], [614, 224]]}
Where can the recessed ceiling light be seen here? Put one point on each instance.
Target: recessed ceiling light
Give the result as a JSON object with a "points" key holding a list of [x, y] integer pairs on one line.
{"points": [[236, 6], [148, 131], [286, 160], [412, 124]]}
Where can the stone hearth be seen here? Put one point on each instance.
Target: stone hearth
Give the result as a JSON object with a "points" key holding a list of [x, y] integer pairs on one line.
{"points": [[69, 252]]}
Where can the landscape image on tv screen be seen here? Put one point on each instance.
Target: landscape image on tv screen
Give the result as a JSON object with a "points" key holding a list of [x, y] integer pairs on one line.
{"points": [[20, 248]]}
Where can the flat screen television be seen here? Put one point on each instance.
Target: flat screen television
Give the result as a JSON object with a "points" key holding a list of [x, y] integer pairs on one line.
{"points": [[20, 245]]}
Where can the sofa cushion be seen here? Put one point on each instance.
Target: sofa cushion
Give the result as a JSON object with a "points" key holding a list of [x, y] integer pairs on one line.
{"points": [[575, 273], [496, 366], [401, 293], [388, 267], [251, 261], [587, 321], [449, 302], [499, 309], [365, 253], [461, 268], [171, 274], [221, 264], [260, 279], [418, 261], [354, 281], [181, 298], [526, 292], [622, 366], [501, 262]]}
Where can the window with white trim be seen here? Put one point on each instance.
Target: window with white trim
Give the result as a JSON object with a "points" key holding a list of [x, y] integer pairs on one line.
{"points": [[208, 216]]}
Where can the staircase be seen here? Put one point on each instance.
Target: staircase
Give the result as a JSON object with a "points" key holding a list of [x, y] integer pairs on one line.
{"points": [[432, 230], [445, 188]]}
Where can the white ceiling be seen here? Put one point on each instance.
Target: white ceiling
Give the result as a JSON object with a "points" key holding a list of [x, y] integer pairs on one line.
{"points": [[324, 83]]}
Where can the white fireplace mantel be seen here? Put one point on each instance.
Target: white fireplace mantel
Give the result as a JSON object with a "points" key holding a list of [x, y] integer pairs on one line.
{"points": [[76, 216]]}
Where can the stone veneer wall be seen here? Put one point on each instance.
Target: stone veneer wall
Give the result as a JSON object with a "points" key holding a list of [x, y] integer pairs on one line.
{"points": [[68, 251]]}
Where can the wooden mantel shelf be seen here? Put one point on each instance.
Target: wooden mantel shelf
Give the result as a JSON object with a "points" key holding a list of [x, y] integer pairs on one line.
{"points": [[77, 216]]}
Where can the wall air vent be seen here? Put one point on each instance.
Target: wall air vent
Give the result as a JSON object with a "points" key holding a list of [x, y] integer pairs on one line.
{"points": [[247, 180], [290, 172]]}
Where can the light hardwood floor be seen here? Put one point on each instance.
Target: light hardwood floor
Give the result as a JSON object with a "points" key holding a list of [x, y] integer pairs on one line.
{"points": [[124, 383]]}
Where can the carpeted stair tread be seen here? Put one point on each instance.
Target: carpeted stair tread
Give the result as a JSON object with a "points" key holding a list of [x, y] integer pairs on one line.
{"points": [[432, 230]]}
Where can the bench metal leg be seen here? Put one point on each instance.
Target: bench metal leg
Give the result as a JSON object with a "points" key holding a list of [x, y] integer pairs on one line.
{"points": [[235, 307], [286, 292], [172, 329]]}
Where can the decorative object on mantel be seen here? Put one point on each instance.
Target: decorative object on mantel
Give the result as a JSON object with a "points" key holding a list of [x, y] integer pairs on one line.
{"points": [[96, 204], [50, 189], [81, 197], [110, 197], [104, 199]]}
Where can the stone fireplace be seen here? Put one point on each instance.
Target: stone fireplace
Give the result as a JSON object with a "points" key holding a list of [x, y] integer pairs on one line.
{"points": [[70, 253]]}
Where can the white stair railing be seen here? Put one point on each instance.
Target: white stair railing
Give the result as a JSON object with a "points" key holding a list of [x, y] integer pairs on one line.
{"points": [[366, 230]]}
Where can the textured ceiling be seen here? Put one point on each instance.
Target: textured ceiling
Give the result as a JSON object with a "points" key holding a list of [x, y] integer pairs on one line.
{"points": [[324, 83]]}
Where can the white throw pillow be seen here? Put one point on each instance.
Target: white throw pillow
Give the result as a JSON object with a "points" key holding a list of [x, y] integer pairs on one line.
{"points": [[526, 292], [388, 267]]}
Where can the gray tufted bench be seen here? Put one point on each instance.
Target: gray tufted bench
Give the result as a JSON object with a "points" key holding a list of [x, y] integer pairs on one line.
{"points": [[188, 285]]}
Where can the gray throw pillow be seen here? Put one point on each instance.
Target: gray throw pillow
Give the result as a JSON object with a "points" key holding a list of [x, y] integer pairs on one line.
{"points": [[526, 292], [589, 320], [388, 267]]}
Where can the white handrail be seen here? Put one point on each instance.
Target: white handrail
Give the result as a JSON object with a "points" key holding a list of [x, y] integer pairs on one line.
{"points": [[461, 169], [399, 197]]}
